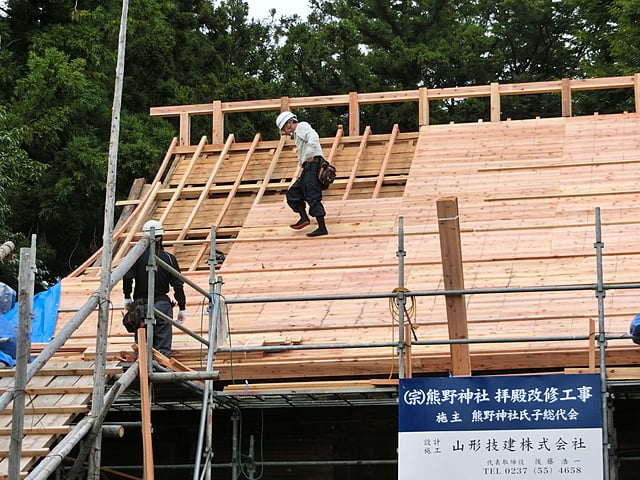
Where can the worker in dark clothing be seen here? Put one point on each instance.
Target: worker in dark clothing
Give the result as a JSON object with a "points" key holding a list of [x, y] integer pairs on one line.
{"points": [[139, 276], [307, 188]]}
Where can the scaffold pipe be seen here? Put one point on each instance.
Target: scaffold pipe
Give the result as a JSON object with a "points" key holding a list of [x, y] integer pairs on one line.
{"points": [[5, 249]]}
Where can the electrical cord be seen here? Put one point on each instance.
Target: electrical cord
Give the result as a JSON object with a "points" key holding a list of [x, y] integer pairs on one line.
{"points": [[241, 463], [409, 313]]}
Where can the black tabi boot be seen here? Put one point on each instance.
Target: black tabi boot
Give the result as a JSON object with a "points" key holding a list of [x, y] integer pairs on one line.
{"points": [[303, 222], [321, 230]]}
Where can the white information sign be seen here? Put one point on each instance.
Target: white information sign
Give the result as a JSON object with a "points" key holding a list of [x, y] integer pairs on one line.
{"points": [[544, 427]]}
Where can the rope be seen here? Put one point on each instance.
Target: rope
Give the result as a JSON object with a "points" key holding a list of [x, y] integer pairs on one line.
{"points": [[409, 313]]}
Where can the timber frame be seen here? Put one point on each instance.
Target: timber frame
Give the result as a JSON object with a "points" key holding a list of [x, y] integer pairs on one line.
{"points": [[508, 246], [422, 96]]}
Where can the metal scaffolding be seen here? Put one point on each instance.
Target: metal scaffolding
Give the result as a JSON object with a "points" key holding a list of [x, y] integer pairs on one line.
{"points": [[284, 398]]}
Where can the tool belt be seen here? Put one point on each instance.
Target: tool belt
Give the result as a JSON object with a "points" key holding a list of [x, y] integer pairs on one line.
{"points": [[315, 159], [157, 298]]}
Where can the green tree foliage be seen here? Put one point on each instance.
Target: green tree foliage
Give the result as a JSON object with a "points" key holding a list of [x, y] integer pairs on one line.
{"points": [[625, 46], [374, 45], [56, 105], [57, 74], [60, 64], [16, 172]]}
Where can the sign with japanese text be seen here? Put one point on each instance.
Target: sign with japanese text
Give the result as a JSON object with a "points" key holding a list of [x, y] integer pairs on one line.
{"points": [[502, 427]]}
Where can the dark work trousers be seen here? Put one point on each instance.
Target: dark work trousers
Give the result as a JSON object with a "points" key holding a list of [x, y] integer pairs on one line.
{"points": [[162, 331], [307, 188]]}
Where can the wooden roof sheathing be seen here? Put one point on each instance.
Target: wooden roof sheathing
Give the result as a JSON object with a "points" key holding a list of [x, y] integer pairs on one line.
{"points": [[527, 192], [54, 399]]}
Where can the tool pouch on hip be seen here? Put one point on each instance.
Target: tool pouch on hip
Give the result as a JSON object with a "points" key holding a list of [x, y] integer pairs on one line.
{"points": [[134, 318], [326, 173]]}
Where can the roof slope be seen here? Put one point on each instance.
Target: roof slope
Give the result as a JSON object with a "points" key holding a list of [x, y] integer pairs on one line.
{"points": [[55, 398], [527, 193]]}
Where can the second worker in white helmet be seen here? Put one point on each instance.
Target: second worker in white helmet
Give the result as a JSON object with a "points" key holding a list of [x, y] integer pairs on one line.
{"points": [[307, 189]]}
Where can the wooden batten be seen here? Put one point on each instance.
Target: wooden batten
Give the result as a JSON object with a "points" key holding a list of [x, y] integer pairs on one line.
{"points": [[526, 193]]}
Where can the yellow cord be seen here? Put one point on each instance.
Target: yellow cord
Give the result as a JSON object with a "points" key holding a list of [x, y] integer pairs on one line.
{"points": [[410, 313]]}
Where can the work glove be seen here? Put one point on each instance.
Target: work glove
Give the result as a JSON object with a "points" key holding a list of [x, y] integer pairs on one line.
{"points": [[182, 316], [128, 304]]}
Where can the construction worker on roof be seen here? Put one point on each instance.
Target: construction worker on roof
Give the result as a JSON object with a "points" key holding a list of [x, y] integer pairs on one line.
{"points": [[307, 189], [138, 275]]}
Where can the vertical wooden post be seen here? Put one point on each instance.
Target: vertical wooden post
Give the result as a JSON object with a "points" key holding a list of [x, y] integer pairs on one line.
{"points": [[451, 250], [145, 406], [423, 107], [354, 114], [185, 128], [102, 328], [592, 345], [23, 351], [495, 104], [284, 104], [217, 134], [209, 439], [408, 333], [566, 97], [636, 90]]}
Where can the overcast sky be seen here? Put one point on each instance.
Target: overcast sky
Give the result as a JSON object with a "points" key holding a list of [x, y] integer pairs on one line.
{"points": [[260, 8]]}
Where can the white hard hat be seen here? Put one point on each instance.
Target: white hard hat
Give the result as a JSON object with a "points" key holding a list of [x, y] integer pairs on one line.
{"points": [[156, 225], [283, 118]]}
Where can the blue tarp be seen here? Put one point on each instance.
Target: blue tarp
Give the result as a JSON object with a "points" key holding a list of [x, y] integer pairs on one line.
{"points": [[7, 298], [45, 315]]}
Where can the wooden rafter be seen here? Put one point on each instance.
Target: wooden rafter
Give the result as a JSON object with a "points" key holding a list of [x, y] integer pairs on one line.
{"points": [[205, 245], [135, 216], [140, 214], [356, 163], [183, 180], [270, 170], [238, 181], [537, 162], [336, 144], [145, 408], [385, 161], [206, 189]]}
